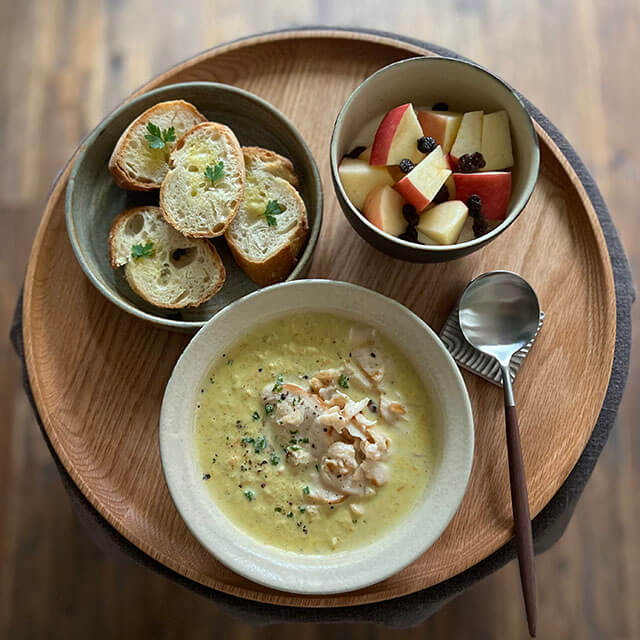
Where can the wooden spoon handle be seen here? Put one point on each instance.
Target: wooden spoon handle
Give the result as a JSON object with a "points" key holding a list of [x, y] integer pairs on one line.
{"points": [[521, 517]]}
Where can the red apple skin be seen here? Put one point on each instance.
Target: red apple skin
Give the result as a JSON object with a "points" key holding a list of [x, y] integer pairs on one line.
{"points": [[385, 134], [411, 194], [493, 187], [453, 162]]}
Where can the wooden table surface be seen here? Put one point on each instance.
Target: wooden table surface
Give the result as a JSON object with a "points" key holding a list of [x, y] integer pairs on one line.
{"points": [[66, 64]]}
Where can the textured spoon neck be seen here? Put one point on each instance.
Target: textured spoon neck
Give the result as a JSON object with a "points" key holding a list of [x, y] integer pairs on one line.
{"points": [[509, 400]]}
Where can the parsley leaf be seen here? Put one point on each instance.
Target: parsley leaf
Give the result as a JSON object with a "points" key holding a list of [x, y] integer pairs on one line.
{"points": [[273, 209], [343, 381], [274, 459], [157, 138], [305, 490], [255, 415], [260, 444], [249, 495], [277, 387], [268, 409], [212, 175], [142, 251]]}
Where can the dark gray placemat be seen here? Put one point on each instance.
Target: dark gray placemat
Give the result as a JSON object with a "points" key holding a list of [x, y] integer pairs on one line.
{"points": [[548, 526]]}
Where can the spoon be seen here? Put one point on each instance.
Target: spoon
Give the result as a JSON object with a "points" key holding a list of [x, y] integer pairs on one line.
{"points": [[499, 314]]}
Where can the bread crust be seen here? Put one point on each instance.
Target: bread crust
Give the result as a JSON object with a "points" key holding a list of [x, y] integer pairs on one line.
{"points": [[119, 173], [278, 266], [120, 220], [237, 151]]}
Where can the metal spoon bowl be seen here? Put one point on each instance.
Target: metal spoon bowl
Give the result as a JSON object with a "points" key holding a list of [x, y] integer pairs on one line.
{"points": [[499, 314]]}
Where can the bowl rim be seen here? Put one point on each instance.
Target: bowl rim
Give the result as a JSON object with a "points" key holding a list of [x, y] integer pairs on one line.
{"points": [[315, 185], [532, 178], [270, 568]]}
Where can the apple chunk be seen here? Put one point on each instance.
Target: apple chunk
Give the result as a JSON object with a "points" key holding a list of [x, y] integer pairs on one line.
{"points": [[397, 137], [383, 208], [496, 142], [442, 126], [469, 137], [423, 182], [493, 187], [358, 178], [444, 222]]}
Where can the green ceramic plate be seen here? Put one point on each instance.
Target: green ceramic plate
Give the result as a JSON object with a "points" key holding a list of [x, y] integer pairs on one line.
{"points": [[93, 199]]}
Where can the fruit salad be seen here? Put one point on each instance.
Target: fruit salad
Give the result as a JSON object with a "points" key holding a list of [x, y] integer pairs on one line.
{"points": [[433, 176]]}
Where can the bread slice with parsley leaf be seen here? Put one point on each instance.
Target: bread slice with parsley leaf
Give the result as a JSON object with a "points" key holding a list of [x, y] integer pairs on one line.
{"points": [[140, 158], [161, 265], [205, 184], [270, 228]]}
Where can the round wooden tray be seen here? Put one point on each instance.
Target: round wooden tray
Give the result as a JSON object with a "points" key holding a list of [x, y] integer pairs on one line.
{"points": [[98, 374]]}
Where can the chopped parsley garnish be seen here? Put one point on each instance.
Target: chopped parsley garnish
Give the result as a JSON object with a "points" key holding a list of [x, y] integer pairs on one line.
{"points": [[278, 509], [206, 476], [343, 381], [302, 509], [248, 440], [290, 514], [274, 459], [273, 209], [142, 251], [277, 387], [249, 495], [304, 440], [261, 443], [294, 448], [268, 408], [305, 490], [255, 416], [215, 174], [156, 138], [229, 362]]}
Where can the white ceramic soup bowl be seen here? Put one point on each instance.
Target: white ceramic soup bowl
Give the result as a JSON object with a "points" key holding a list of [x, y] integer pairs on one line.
{"points": [[340, 571]]}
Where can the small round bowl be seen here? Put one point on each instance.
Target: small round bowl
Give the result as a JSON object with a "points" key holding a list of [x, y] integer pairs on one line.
{"points": [[335, 572], [93, 199], [425, 81]]}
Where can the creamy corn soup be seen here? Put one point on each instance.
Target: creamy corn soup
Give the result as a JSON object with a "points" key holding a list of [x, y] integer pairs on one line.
{"points": [[314, 434]]}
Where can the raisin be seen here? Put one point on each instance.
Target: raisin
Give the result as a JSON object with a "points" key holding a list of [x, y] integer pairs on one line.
{"points": [[440, 106], [470, 162], [442, 195], [410, 235], [474, 204], [406, 165], [410, 215], [480, 225], [356, 152], [426, 144]]}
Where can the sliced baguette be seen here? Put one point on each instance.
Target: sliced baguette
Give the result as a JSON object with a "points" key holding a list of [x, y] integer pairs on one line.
{"points": [[189, 201], [134, 164], [267, 254], [182, 272]]}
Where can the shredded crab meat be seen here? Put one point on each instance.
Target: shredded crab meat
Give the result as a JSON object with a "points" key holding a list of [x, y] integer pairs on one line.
{"points": [[376, 472], [331, 430], [370, 362], [391, 410], [351, 408]]}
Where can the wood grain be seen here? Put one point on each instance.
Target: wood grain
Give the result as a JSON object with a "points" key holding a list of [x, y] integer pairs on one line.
{"points": [[99, 390], [68, 64]]}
